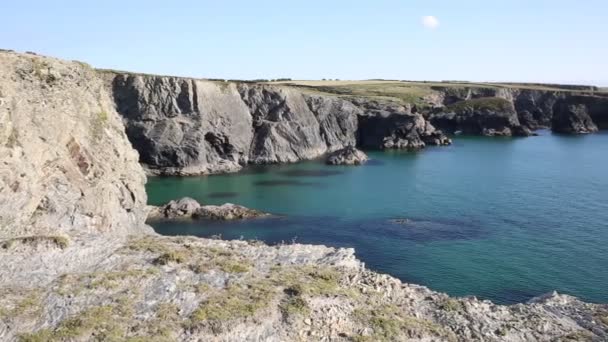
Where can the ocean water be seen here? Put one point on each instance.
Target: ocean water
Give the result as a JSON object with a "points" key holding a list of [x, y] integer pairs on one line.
{"points": [[504, 219]]}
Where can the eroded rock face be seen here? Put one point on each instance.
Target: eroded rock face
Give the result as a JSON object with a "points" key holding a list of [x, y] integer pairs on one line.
{"points": [[572, 119], [349, 155], [491, 116], [66, 164], [184, 126]]}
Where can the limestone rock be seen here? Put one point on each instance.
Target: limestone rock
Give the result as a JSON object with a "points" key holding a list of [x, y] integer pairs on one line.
{"points": [[67, 167], [347, 156]]}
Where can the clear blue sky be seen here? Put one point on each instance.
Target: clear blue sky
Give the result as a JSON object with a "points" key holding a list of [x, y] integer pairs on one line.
{"points": [[515, 40]]}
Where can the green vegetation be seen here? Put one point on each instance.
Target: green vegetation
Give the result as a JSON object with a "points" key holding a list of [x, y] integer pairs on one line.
{"points": [[56, 240], [579, 336], [391, 324], [308, 280], [27, 304], [295, 306], [484, 103], [76, 283], [175, 256], [234, 302], [106, 323], [452, 305]]}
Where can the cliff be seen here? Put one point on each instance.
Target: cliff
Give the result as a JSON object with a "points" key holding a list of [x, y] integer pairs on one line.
{"points": [[77, 262], [187, 126]]}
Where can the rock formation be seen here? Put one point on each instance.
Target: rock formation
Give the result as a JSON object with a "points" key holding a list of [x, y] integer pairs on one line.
{"points": [[77, 262], [67, 167], [347, 156], [188, 208], [185, 126]]}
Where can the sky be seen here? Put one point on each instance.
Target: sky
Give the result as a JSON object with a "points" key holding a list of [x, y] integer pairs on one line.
{"points": [[554, 41]]}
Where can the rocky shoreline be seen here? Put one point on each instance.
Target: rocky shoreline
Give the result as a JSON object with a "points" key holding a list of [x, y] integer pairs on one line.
{"points": [[183, 126], [78, 262]]}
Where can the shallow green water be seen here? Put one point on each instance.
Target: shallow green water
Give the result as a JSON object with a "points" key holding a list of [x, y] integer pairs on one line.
{"points": [[500, 218]]}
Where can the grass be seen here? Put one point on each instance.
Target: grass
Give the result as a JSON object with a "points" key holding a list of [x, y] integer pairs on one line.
{"points": [[74, 284], [175, 256], [106, 323], [452, 305], [390, 324], [27, 304], [235, 302], [59, 241], [484, 103], [308, 280], [294, 306]]}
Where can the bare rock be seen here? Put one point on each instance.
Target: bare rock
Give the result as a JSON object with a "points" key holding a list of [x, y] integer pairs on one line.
{"points": [[347, 156], [227, 212]]}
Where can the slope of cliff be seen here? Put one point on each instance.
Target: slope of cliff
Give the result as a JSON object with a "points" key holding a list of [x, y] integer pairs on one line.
{"points": [[77, 262], [186, 126]]}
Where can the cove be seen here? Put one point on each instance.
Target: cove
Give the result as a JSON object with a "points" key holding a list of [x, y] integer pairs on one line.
{"points": [[504, 219]]}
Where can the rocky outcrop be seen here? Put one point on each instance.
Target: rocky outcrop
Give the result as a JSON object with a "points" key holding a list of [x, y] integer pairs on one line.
{"points": [[572, 118], [185, 126], [188, 208], [66, 164], [489, 116], [349, 155], [227, 212]]}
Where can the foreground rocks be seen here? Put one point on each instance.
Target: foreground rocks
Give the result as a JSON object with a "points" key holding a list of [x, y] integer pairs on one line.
{"points": [[188, 208], [77, 262], [347, 156]]}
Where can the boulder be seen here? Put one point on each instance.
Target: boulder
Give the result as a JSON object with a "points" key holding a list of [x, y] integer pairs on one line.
{"points": [[227, 212], [347, 156]]}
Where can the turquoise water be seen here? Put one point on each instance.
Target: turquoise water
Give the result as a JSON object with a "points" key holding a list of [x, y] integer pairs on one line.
{"points": [[499, 218]]}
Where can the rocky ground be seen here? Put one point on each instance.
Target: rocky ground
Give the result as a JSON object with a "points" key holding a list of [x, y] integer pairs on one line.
{"points": [[78, 263]]}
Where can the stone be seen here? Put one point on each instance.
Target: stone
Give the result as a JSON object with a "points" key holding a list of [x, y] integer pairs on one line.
{"points": [[347, 156], [226, 212]]}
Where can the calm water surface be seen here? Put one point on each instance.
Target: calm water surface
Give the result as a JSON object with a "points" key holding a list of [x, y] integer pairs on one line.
{"points": [[499, 218]]}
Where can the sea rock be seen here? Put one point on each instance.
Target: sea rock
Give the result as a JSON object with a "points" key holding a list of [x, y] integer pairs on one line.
{"points": [[182, 208], [226, 212], [188, 208], [347, 156], [489, 116], [572, 118], [393, 127]]}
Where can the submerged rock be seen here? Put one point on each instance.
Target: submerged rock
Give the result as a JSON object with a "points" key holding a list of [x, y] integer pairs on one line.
{"points": [[347, 156]]}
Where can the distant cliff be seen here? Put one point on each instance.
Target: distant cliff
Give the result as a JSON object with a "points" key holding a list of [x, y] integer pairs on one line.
{"points": [[187, 126]]}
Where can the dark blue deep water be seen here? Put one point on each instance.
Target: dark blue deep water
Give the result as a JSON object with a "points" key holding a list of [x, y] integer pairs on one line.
{"points": [[499, 218]]}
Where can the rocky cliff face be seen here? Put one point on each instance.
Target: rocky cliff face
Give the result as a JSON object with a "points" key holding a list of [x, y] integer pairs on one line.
{"points": [[518, 111], [71, 191], [185, 126], [66, 166]]}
